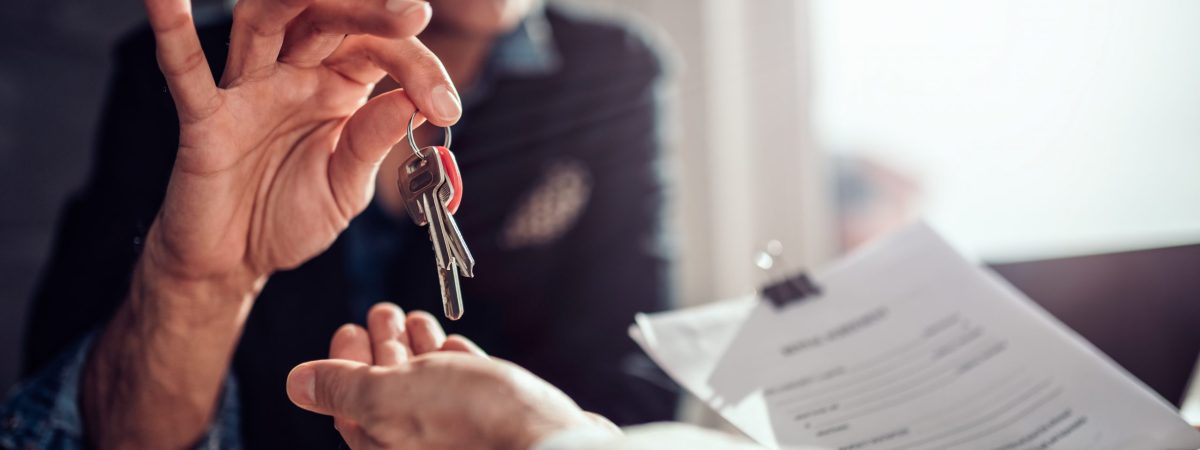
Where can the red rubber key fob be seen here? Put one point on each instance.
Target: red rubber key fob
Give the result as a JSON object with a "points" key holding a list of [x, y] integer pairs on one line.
{"points": [[452, 176]]}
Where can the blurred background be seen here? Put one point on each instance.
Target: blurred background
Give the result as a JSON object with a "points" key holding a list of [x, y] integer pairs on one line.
{"points": [[1058, 141]]}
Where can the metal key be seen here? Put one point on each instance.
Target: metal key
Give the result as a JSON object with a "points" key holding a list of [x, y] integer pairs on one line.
{"points": [[462, 254], [446, 253], [426, 190]]}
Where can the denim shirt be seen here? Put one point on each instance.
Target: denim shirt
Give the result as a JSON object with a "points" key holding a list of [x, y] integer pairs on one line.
{"points": [[43, 411]]}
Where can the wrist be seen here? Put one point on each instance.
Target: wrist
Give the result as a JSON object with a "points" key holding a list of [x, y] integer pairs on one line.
{"points": [[542, 434], [153, 375], [578, 436], [159, 291]]}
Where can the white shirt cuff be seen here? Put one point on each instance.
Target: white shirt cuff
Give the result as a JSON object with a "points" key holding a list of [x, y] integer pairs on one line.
{"points": [[576, 439]]}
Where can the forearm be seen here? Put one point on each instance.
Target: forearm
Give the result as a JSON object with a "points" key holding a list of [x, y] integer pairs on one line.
{"points": [[154, 377]]}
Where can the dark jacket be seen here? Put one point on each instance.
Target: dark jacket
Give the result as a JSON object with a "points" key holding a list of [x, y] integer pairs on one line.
{"points": [[558, 306]]}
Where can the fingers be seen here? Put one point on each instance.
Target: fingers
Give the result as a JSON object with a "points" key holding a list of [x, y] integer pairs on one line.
{"points": [[366, 59], [366, 139], [333, 387], [351, 342], [313, 29], [320, 29], [459, 343], [181, 59], [424, 333], [257, 35], [603, 422], [389, 341]]}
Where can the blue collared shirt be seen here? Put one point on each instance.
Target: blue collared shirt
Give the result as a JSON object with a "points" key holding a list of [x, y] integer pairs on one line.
{"points": [[526, 51]]}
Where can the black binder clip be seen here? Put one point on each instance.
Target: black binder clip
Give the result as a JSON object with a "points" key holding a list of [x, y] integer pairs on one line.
{"points": [[790, 290]]}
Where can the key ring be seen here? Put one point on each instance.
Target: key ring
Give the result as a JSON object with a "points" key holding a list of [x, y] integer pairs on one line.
{"points": [[413, 142]]}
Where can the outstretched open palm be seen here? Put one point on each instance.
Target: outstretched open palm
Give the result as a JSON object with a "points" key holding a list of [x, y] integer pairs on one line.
{"points": [[275, 160]]}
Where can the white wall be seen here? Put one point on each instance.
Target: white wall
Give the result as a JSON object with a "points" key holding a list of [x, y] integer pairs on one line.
{"points": [[1037, 128]]}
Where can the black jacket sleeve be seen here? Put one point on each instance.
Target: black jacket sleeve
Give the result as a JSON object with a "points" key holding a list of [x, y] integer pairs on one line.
{"points": [[99, 231]]}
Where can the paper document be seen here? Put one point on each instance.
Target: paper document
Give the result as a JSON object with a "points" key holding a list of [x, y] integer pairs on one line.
{"points": [[908, 346]]}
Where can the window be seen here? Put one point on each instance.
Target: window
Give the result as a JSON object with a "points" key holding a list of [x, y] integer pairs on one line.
{"points": [[1031, 129]]}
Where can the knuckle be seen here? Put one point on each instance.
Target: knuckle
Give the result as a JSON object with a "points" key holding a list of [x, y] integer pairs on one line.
{"points": [[368, 392], [193, 60], [330, 393], [421, 59], [350, 140], [206, 109], [241, 11], [407, 26], [410, 59], [249, 15], [173, 22]]}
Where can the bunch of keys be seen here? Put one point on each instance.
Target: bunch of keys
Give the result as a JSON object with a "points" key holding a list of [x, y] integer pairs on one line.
{"points": [[432, 190]]}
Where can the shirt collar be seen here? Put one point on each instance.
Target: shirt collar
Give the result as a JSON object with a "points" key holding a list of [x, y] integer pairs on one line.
{"points": [[526, 51]]}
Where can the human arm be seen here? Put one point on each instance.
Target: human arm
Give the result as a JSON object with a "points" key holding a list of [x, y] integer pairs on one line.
{"points": [[454, 399], [43, 411], [272, 164], [401, 384]]}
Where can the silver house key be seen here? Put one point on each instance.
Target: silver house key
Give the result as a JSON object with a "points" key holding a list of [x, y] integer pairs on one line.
{"points": [[427, 188]]}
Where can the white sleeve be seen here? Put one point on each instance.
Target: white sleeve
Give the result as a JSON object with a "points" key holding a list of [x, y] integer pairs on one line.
{"points": [[644, 437]]}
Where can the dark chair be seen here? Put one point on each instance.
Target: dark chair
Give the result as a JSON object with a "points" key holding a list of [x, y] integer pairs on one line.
{"points": [[1142, 308]]}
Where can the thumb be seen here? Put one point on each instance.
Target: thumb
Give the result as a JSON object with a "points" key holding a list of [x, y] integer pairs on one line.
{"points": [[330, 386], [366, 139]]}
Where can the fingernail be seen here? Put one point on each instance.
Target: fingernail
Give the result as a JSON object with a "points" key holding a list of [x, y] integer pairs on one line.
{"points": [[304, 385], [397, 322], [405, 7], [445, 103]]}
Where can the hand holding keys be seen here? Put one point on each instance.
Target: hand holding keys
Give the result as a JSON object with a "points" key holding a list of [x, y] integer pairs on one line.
{"points": [[432, 189]]}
